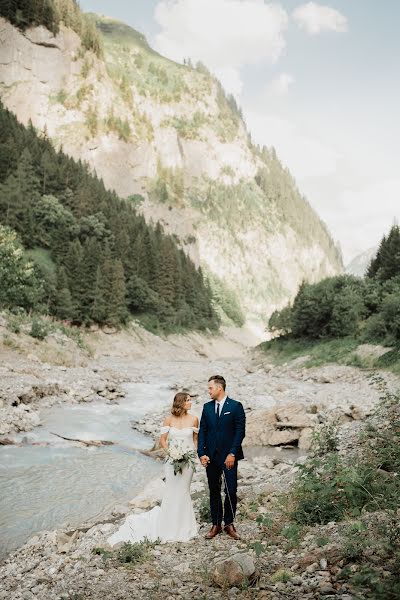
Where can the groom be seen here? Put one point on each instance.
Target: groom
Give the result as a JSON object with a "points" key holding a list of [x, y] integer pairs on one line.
{"points": [[222, 429]]}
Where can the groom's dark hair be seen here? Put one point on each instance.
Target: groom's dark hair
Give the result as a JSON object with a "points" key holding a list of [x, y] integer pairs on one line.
{"points": [[218, 379]]}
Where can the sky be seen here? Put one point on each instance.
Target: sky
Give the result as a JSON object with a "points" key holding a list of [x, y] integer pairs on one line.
{"points": [[316, 80]]}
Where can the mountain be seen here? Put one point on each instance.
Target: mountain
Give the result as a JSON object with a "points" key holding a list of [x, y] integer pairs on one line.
{"points": [[167, 137], [360, 263]]}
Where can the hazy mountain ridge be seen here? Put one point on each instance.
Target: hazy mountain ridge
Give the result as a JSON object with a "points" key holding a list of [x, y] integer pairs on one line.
{"points": [[168, 133], [360, 263]]}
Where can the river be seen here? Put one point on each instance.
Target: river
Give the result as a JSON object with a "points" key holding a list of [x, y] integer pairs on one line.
{"points": [[47, 487]]}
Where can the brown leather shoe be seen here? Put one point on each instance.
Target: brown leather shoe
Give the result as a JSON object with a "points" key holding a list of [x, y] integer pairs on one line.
{"points": [[215, 530], [231, 531]]}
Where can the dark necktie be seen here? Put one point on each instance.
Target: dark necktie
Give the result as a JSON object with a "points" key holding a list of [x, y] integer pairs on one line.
{"points": [[218, 409]]}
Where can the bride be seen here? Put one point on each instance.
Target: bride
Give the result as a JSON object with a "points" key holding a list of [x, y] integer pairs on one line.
{"points": [[174, 520]]}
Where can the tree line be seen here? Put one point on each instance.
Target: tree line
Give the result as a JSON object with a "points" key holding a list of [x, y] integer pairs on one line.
{"points": [[73, 249], [366, 308]]}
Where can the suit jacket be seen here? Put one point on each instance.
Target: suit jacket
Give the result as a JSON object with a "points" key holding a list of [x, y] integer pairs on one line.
{"points": [[223, 435]]}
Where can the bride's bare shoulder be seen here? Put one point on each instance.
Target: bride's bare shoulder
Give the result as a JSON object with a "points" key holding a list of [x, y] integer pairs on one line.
{"points": [[167, 420], [195, 422]]}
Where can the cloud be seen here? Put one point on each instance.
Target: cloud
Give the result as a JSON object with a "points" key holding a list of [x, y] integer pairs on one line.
{"points": [[316, 18], [224, 34], [280, 85], [305, 156]]}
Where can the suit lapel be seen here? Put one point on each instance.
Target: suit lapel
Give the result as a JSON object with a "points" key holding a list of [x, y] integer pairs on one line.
{"points": [[226, 405], [224, 409]]}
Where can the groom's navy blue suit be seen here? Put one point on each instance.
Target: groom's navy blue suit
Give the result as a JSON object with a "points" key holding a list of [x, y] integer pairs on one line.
{"points": [[218, 437]]}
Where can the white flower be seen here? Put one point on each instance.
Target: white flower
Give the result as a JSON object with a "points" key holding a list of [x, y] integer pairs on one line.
{"points": [[176, 452]]}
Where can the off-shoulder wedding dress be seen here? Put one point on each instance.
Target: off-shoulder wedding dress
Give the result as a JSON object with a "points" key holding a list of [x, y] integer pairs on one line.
{"points": [[174, 520]]}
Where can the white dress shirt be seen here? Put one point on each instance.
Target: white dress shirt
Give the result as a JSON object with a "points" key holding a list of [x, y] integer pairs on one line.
{"points": [[221, 404]]}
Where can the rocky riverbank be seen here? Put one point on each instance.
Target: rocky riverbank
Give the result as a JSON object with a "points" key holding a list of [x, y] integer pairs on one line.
{"points": [[79, 564], [279, 562]]}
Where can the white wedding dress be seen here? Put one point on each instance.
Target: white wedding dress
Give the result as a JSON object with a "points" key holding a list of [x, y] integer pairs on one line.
{"points": [[174, 520]]}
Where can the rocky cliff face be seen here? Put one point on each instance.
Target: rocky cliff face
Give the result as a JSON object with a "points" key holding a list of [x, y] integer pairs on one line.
{"points": [[167, 136]]}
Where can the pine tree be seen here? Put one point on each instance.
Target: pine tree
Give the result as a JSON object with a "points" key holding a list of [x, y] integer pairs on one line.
{"points": [[18, 196], [75, 274], [90, 261], [118, 312], [63, 306], [386, 263], [99, 310]]}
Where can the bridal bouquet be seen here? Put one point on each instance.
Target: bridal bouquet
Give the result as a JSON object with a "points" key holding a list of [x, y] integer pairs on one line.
{"points": [[178, 457]]}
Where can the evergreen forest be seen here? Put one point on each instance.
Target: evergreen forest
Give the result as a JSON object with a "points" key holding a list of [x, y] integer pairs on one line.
{"points": [[74, 250]]}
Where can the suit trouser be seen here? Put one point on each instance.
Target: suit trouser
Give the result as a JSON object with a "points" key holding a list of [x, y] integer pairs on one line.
{"points": [[215, 478]]}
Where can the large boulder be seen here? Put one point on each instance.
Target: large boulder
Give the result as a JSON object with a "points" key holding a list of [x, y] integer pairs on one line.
{"points": [[236, 570], [295, 415], [283, 437], [281, 425]]}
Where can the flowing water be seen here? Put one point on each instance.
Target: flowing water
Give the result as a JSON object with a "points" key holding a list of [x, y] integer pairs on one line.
{"points": [[46, 487]]}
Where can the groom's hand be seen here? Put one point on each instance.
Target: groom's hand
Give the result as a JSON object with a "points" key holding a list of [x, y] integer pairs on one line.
{"points": [[204, 460], [230, 461]]}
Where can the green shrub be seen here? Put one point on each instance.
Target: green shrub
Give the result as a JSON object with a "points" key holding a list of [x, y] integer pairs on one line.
{"points": [[373, 546], [62, 95], [374, 329], [16, 319], [293, 533], [91, 121], [226, 298], [19, 284], [135, 553], [39, 328], [333, 487], [281, 321], [204, 510]]}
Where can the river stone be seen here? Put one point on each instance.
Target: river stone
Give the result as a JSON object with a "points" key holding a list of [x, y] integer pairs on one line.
{"points": [[235, 570], [64, 541]]}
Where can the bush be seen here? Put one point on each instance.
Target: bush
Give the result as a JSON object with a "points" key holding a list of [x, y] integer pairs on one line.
{"points": [[333, 487], [374, 329], [19, 284], [39, 328], [280, 321], [135, 553], [372, 547], [390, 314], [16, 320], [204, 510], [227, 299]]}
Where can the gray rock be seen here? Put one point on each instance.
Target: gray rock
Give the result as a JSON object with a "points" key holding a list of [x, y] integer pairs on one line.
{"points": [[323, 563], [235, 570]]}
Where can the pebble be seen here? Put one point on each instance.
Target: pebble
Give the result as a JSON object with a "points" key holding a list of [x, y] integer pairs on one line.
{"points": [[323, 563]]}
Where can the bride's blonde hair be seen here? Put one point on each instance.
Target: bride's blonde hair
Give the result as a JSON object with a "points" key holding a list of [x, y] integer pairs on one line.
{"points": [[178, 406]]}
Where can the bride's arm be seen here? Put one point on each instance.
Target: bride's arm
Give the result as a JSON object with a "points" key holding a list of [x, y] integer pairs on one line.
{"points": [[196, 433], [164, 436]]}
